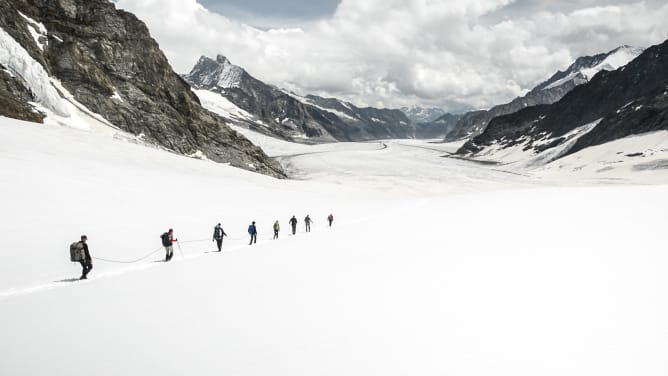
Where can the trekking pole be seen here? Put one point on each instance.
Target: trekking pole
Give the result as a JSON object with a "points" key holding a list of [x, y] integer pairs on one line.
{"points": [[180, 250]]}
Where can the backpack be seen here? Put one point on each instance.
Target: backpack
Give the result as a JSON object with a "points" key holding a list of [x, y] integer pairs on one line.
{"points": [[166, 241], [251, 229], [218, 232], [76, 252]]}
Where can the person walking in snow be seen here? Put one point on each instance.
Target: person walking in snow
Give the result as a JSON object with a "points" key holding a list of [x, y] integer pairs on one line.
{"points": [[307, 222], [330, 219], [252, 231], [83, 256], [277, 228], [218, 234], [167, 242], [293, 223]]}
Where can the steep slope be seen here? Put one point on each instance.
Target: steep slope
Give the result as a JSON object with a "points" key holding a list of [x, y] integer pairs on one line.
{"points": [[106, 60], [548, 92], [630, 100]]}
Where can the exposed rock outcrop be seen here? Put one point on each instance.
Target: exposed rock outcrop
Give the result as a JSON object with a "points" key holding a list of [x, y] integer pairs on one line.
{"points": [[108, 61]]}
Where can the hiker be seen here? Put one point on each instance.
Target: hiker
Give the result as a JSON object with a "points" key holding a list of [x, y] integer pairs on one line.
{"points": [[79, 252], [293, 223], [218, 234], [167, 241], [307, 221], [252, 231], [330, 219], [277, 228]]}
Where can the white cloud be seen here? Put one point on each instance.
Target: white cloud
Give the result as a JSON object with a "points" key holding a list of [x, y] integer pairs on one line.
{"points": [[396, 52]]}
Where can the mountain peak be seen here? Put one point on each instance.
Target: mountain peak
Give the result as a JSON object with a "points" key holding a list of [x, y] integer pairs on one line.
{"points": [[223, 60], [219, 73], [586, 67]]}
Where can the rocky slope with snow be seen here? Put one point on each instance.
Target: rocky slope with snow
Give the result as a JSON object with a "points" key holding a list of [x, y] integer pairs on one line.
{"points": [[548, 92], [614, 104], [289, 116], [56, 53]]}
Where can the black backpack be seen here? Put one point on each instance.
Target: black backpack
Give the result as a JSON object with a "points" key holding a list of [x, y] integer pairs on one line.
{"points": [[218, 232], [166, 241], [77, 252]]}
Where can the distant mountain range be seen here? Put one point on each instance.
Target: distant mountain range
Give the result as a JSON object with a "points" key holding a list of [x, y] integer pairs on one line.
{"points": [[56, 56], [419, 114], [610, 105], [270, 110], [550, 91]]}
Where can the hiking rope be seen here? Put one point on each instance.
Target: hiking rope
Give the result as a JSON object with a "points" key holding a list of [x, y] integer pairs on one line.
{"points": [[128, 262], [194, 241]]}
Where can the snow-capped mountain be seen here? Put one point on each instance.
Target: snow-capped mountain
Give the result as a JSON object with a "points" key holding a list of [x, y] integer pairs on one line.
{"points": [[586, 67], [419, 114], [219, 73], [62, 59], [548, 92], [612, 105], [250, 103]]}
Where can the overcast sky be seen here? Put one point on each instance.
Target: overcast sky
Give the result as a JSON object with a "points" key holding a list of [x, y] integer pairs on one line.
{"points": [[452, 54]]}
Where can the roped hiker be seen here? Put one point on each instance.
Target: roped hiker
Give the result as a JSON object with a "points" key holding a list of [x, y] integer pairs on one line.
{"points": [[293, 223], [252, 231], [330, 219], [218, 234], [307, 222], [79, 252], [277, 228], [167, 241]]}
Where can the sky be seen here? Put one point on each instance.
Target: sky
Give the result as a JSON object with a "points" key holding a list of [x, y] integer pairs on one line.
{"points": [[452, 54]]}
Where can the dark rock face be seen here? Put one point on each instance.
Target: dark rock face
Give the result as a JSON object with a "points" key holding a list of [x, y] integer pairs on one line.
{"points": [[107, 59], [14, 98], [630, 100], [288, 116], [548, 92]]}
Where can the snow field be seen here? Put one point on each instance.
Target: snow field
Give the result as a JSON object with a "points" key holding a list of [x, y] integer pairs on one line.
{"points": [[412, 279]]}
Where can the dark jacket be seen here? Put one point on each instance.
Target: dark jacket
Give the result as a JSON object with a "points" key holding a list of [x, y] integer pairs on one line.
{"points": [[293, 221], [87, 257], [218, 234]]}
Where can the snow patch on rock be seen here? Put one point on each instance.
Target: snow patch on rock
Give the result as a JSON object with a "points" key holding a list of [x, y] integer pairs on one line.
{"points": [[16, 59]]}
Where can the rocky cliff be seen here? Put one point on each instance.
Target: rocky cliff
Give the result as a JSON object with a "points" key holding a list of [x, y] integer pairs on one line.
{"points": [[108, 61]]}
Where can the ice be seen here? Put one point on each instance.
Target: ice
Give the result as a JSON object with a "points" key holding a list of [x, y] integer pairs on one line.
{"points": [[16, 59], [37, 30]]}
